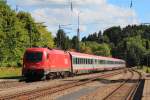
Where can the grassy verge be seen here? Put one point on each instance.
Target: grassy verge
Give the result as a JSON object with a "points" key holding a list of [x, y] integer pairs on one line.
{"points": [[145, 69], [9, 72]]}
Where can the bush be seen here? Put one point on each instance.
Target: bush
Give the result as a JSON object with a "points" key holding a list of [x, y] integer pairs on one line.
{"points": [[147, 71]]}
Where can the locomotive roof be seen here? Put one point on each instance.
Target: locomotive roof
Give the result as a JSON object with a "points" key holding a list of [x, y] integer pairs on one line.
{"points": [[75, 54], [46, 49]]}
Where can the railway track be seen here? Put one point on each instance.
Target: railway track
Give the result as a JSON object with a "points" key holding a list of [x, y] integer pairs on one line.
{"points": [[27, 95], [127, 89], [9, 84]]}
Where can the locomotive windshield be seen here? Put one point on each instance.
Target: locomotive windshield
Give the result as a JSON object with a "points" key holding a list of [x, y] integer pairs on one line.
{"points": [[33, 56]]}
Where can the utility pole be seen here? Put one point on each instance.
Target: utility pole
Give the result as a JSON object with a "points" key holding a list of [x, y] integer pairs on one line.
{"points": [[78, 34]]}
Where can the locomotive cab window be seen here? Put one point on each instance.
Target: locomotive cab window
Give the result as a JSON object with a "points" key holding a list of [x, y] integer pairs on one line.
{"points": [[33, 56]]}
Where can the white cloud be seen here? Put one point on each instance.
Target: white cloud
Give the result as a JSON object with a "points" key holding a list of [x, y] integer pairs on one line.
{"points": [[61, 2], [99, 13]]}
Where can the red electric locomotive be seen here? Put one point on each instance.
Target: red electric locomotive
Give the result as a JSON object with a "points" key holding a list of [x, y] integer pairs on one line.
{"points": [[51, 63], [39, 62]]}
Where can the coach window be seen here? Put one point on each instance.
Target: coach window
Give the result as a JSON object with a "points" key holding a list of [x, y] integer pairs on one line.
{"points": [[102, 61], [99, 61], [108, 62], [116, 62], [79, 60], [88, 61], [83, 60], [74, 60], [113, 62], [95, 61]]}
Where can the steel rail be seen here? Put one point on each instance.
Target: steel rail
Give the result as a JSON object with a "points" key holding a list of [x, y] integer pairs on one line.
{"points": [[132, 89], [50, 90]]}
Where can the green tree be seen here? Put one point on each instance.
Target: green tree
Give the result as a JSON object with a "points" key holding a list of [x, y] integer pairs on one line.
{"points": [[45, 38], [16, 31], [95, 48], [62, 41], [31, 28], [74, 42], [114, 35]]}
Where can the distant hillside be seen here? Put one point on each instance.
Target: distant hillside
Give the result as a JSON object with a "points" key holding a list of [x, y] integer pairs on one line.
{"points": [[131, 43]]}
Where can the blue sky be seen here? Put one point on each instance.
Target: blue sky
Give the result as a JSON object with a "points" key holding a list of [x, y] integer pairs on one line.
{"points": [[141, 7], [94, 15]]}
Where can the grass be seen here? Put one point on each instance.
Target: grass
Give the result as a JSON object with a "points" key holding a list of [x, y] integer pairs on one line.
{"points": [[9, 72], [146, 69]]}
